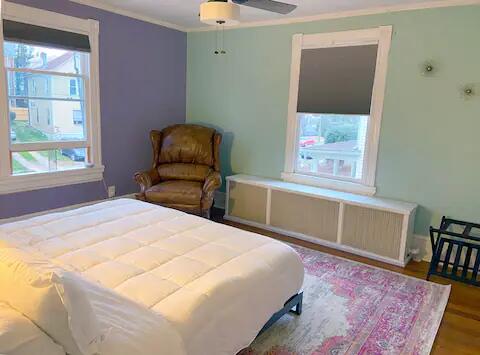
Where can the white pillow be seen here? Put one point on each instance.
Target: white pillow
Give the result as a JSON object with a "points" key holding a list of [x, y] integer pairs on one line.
{"points": [[82, 316], [42, 292], [19, 336]]}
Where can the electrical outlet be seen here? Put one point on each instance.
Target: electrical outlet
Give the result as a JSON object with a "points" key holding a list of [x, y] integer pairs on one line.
{"points": [[111, 191]]}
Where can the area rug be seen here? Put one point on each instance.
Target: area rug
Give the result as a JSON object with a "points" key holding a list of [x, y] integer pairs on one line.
{"points": [[353, 308]]}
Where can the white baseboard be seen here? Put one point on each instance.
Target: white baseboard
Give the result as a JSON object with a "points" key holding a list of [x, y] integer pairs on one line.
{"points": [[219, 199], [61, 209]]}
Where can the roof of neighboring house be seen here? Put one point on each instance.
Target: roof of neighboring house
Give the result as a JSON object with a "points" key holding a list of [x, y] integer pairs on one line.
{"points": [[59, 61], [54, 63]]}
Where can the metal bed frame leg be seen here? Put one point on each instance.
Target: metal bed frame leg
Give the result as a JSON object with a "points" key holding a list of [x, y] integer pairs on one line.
{"points": [[293, 305], [299, 307]]}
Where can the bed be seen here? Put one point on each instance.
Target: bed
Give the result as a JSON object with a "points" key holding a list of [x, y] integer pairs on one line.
{"points": [[216, 285]]}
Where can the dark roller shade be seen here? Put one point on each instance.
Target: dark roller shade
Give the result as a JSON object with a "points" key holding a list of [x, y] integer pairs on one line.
{"points": [[43, 36], [337, 80]]}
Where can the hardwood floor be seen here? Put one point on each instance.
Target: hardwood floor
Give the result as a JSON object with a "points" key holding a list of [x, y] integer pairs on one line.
{"points": [[459, 331]]}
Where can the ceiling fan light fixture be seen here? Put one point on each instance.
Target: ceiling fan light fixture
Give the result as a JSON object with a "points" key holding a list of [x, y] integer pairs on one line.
{"points": [[220, 13]]}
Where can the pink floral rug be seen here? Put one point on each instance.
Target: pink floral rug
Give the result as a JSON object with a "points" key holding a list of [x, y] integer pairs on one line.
{"points": [[353, 308]]}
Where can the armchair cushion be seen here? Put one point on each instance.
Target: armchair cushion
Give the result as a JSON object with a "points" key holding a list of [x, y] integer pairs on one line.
{"points": [[191, 172], [176, 192]]}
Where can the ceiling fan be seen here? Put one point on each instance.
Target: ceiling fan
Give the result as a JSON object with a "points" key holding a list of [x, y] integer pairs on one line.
{"points": [[224, 12], [268, 5]]}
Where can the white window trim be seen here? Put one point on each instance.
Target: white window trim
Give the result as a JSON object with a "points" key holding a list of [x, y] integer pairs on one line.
{"points": [[382, 37], [16, 183]]}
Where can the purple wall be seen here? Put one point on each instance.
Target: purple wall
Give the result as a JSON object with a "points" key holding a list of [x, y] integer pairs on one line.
{"points": [[142, 86]]}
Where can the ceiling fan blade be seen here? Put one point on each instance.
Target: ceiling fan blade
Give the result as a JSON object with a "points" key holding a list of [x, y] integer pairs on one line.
{"points": [[268, 5]]}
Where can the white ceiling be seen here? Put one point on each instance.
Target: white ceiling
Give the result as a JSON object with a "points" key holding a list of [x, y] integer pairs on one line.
{"points": [[184, 13]]}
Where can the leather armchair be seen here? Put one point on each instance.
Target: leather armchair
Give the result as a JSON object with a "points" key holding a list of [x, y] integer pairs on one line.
{"points": [[185, 171]]}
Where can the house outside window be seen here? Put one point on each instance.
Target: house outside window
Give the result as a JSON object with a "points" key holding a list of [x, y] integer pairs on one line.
{"points": [[331, 145], [49, 81], [73, 87], [77, 117], [336, 102]]}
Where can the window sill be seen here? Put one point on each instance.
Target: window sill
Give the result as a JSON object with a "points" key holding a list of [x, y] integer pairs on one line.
{"points": [[29, 182], [345, 186]]}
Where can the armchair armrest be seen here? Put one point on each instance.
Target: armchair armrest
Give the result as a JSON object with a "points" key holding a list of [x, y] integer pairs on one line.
{"points": [[212, 183], [146, 179]]}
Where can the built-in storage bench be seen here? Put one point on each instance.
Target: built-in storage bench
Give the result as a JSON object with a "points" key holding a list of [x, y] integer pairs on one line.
{"points": [[374, 227]]}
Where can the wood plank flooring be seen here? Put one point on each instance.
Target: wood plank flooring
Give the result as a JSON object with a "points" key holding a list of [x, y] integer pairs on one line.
{"points": [[459, 332]]}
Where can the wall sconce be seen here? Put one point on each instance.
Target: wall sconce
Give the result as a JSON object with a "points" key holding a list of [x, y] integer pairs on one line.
{"points": [[428, 68], [468, 91]]}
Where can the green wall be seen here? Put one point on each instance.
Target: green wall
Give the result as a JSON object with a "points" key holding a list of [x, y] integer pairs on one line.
{"points": [[430, 136]]}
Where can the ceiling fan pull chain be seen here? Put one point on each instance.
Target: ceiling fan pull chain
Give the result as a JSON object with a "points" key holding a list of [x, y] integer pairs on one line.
{"points": [[216, 51], [223, 40], [220, 31]]}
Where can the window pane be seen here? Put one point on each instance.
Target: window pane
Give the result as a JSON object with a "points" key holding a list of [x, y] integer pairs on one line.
{"points": [[34, 120], [331, 144], [48, 161], [20, 55], [46, 86]]}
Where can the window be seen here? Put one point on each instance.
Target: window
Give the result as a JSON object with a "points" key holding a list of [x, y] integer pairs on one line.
{"points": [[51, 75], [331, 145], [78, 117], [73, 87], [44, 121], [336, 102]]}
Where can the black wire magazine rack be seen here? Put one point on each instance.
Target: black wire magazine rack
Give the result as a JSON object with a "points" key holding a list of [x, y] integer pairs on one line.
{"points": [[456, 251]]}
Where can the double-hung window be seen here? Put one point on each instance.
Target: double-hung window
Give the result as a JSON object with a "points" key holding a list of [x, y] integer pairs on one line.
{"points": [[336, 101], [49, 123]]}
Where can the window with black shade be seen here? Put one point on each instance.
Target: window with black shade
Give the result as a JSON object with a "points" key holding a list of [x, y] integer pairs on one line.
{"points": [[51, 97], [334, 99], [336, 102]]}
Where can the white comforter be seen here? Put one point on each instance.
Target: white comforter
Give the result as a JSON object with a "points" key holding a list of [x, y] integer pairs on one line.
{"points": [[217, 285]]}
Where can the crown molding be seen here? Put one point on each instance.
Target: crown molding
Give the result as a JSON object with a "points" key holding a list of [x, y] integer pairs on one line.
{"points": [[285, 21], [110, 8], [343, 14]]}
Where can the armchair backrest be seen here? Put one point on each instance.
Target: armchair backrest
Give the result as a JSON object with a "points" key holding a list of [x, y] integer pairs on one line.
{"points": [[185, 152]]}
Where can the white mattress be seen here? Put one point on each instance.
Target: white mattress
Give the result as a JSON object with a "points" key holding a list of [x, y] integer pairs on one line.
{"points": [[216, 284]]}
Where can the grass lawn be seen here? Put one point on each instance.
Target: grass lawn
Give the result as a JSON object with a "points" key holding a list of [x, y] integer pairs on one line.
{"points": [[58, 156], [28, 156], [26, 133], [19, 168]]}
